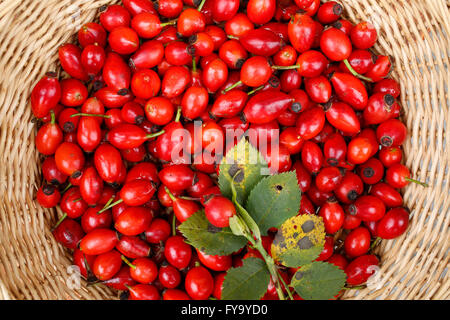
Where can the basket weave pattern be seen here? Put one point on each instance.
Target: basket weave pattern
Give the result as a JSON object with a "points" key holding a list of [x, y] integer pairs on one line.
{"points": [[415, 33]]}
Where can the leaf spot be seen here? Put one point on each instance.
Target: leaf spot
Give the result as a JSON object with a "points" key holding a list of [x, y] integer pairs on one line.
{"points": [[279, 188], [308, 226], [305, 243], [236, 172], [213, 229], [298, 275]]}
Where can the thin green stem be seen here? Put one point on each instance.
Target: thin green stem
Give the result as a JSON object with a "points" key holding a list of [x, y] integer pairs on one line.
{"points": [[257, 244], [153, 135], [286, 286], [375, 243], [423, 184], [272, 269], [171, 196], [356, 74], [90, 115], [124, 259], [178, 115], [67, 187], [107, 207], [229, 36], [52, 117], [64, 216], [174, 225], [194, 65], [107, 204], [169, 23], [200, 7], [255, 90], [296, 66], [232, 87]]}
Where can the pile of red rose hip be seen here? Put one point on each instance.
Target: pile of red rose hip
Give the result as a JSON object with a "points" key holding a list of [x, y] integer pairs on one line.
{"points": [[109, 128]]}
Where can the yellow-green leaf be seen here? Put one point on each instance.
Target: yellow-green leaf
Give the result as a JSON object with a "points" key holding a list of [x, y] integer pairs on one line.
{"points": [[248, 282], [209, 239], [274, 200], [246, 165], [318, 281], [299, 240]]}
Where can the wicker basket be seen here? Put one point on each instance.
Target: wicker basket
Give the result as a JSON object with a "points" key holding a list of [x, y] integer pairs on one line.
{"points": [[415, 33]]}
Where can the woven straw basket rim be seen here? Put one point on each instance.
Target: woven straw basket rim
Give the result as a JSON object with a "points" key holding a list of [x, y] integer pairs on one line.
{"points": [[414, 33]]}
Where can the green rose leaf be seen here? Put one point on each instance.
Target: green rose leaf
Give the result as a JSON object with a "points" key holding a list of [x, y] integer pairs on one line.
{"points": [[209, 239], [274, 200], [299, 240], [248, 282], [318, 281], [246, 165]]}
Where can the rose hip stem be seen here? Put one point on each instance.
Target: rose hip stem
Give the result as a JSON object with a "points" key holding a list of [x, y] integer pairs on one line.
{"points": [[124, 259], [200, 7], [356, 74], [90, 115]]}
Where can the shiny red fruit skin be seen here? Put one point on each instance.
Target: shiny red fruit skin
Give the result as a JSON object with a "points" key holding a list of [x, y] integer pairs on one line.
{"points": [[177, 177], [301, 32], [368, 208], [219, 210], [393, 224], [360, 269], [199, 283], [144, 292], [106, 265], [338, 260], [70, 59], [312, 157], [48, 138], [261, 11], [390, 197], [223, 10], [333, 216], [335, 149], [175, 294], [215, 262], [137, 192], [266, 106], [169, 276], [357, 242], [138, 6], [91, 186], [177, 252], [303, 176], [133, 221], [45, 95], [341, 116], [335, 44], [48, 196], [145, 271], [98, 241], [359, 150], [123, 40], [115, 16], [133, 247], [83, 261], [350, 90], [89, 133], [350, 188], [396, 176], [261, 42], [310, 123], [69, 233], [69, 158], [328, 248]]}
